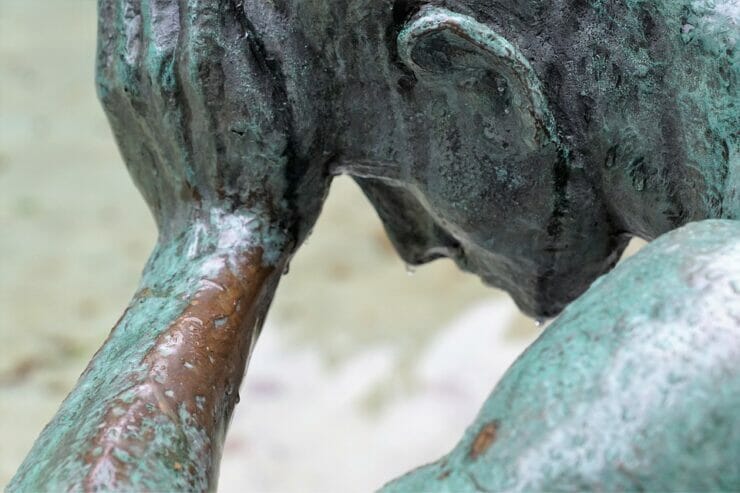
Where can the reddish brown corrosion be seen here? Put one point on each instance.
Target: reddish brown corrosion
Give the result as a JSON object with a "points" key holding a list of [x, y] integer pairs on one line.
{"points": [[196, 363], [483, 441]]}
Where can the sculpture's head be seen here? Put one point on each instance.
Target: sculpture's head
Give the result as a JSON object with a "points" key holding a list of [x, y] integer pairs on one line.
{"points": [[506, 138], [529, 142], [483, 177]]}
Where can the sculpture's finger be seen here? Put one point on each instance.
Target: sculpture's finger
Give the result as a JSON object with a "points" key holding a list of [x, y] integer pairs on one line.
{"points": [[129, 49], [117, 48], [126, 97], [240, 137], [162, 22], [116, 86], [197, 133], [106, 48], [160, 33], [167, 117]]}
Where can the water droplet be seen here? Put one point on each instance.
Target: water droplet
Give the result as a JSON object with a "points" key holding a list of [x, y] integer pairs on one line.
{"points": [[507, 111], [500, 88], [410, 269], [539, 322]]}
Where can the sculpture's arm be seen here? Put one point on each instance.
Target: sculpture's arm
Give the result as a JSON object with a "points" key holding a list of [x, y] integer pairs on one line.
{"points": [[636, 387], [202, 115], [151, 410]]}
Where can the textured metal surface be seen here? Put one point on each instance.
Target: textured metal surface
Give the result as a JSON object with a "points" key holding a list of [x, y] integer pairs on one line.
{"points": [[635, 387], [525, 140], [151, 410]]}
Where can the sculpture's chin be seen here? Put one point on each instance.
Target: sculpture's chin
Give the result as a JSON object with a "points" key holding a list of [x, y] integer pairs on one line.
{"points": [[543, 303], [535, 302], [543, 289]]}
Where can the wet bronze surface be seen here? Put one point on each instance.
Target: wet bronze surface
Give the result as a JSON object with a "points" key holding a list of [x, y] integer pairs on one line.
{"points": [[193, 373], [527, 141]]}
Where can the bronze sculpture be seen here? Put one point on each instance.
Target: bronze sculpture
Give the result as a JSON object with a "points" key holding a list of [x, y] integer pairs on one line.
{"points": [[525, 141]]}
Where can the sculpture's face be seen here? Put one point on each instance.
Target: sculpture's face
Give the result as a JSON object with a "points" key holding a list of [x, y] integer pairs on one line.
{"points": [[463, 159], [489, 184]]}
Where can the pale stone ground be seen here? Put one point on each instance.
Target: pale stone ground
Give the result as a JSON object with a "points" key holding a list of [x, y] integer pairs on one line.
{"points": [[362, 372]]}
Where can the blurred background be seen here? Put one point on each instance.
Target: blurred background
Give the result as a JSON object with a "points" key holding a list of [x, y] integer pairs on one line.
{"points": [[363, 371]]}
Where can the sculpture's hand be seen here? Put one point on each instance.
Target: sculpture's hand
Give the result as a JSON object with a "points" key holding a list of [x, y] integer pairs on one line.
{"points": [[201, 116]]}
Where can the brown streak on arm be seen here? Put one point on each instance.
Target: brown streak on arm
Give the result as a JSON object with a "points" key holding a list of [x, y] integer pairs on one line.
{"points": [[196, 364]]}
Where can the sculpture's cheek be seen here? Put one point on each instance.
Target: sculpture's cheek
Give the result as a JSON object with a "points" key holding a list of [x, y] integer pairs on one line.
{"points": [[490, 199], [532, 232]]}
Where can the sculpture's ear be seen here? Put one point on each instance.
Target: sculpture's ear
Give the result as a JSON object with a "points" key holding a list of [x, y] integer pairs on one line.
{"points": [[447, 49]]}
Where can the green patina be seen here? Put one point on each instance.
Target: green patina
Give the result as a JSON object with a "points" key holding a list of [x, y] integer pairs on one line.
{"points": [[171, 279], [52, 463], [525, 140], [635, 387]]}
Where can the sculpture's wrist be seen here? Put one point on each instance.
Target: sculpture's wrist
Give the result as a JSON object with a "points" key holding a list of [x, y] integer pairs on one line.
{"points": [[162, 387]]}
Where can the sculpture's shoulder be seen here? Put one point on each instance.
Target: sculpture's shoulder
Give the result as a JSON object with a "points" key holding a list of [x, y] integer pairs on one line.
{"points": [[635, 387], [700, 262]]}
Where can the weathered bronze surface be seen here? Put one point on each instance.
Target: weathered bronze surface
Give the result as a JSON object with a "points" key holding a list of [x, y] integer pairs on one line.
{"points": [[527, 141], [192, 376], [151, 410], [634, 387]]}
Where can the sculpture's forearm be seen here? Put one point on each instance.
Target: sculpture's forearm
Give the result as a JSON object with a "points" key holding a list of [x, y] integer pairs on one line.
{"points": [[151, 409]]}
